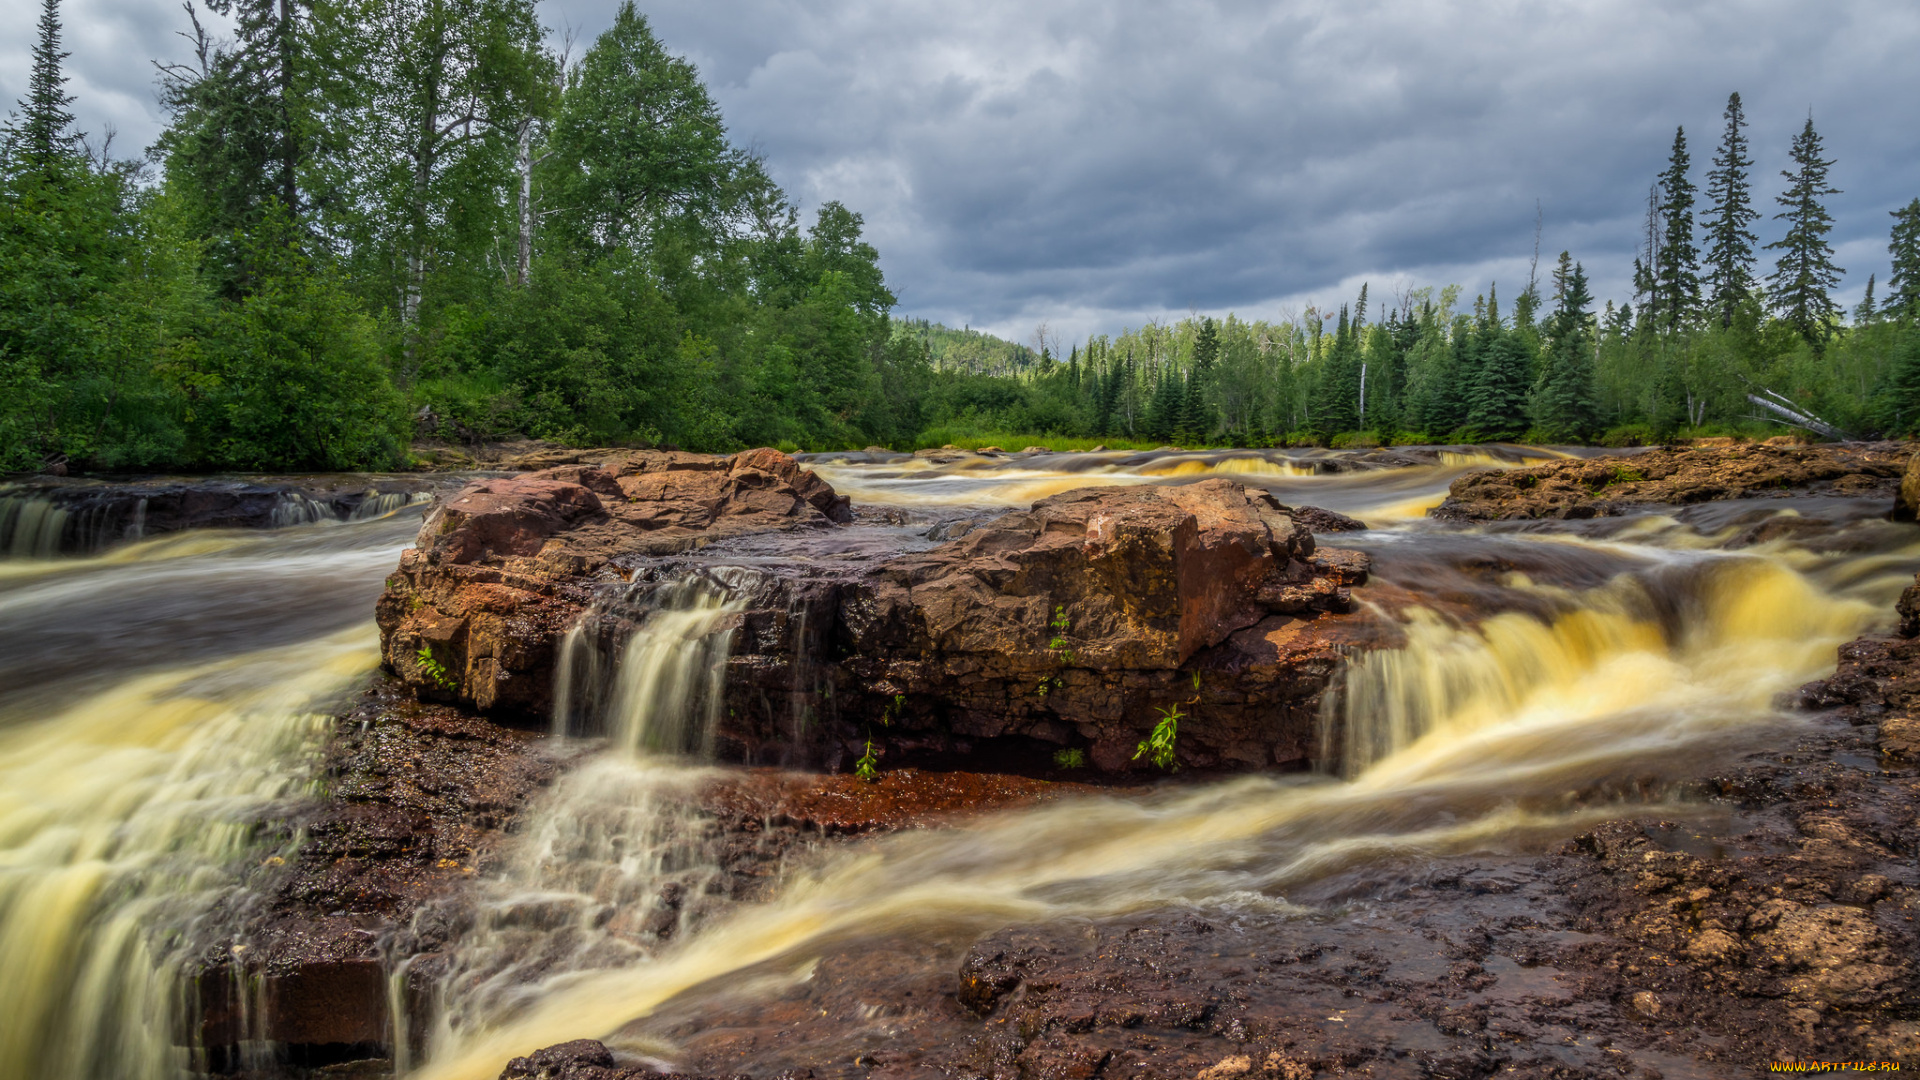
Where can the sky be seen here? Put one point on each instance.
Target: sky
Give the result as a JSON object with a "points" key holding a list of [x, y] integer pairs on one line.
{"points": [[1095, 164]]}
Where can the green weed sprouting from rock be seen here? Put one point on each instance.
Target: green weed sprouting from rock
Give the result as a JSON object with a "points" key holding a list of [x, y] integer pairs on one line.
{"points": [[1158, 747], [434, 670], [868, 767], [1070, 759], [1624, 475], [1060, 625]]}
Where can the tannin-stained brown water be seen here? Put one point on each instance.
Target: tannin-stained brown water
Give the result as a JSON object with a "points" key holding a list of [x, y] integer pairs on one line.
{"points": [[1556, 677]]}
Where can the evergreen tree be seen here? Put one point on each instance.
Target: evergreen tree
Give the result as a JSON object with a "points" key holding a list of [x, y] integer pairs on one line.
{"points": [[1866, 311], [1163, 409], [1497, 396], [1566, 405], [1676, 269], [43, 135], [1903, 285], [245, 133], [1800, 286], [1903, 391], [1730, 242], [1336, 400]]}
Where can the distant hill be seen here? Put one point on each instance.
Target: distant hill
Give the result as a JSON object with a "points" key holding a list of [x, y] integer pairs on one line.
{"points": [[970, 350]]}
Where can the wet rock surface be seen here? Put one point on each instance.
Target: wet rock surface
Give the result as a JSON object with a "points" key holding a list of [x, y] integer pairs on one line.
{"points": [[474, 613], [1774, 924], [1609, 486], [1071, 627], [49, 516]]}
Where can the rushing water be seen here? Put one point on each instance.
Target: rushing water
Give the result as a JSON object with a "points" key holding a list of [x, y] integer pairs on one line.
{"points": [[159, 704]]}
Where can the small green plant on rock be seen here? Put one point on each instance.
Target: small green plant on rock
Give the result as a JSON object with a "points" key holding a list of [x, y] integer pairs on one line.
{"points": [[1060, 624], [1158, 747], [868, 767], [1070, 759], [434, 670]]}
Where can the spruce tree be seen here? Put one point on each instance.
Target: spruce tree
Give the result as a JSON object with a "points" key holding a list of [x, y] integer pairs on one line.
{"points": [[1903, 285], [1867, 310], [1566, 405], [43, 135], [1336, 400], [1676, 269], [1497, 395], [1800, 286], [1730, 242]]}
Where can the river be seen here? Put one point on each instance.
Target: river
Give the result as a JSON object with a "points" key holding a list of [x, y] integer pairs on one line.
{"points": [[161, 705]]}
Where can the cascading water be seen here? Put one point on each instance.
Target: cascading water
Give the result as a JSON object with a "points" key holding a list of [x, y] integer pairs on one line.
{"points": [[127, 823], [135, 815], [30, 527], [616, 859], [1468, 737]]}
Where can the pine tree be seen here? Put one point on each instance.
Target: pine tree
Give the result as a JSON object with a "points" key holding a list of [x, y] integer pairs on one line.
{"points": [[1903, 285], [1730, 242], [1866, 311], [1800, 286], [1497, 395], [1566, 405], [43, 135], [1677, 267], [1336, 401]]}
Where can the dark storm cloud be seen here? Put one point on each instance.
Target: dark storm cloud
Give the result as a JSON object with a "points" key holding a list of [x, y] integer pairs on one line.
{"points": [[1098, 163]]}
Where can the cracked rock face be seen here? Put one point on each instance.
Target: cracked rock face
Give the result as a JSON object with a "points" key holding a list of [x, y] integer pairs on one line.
{"points": [[1075, 625]]}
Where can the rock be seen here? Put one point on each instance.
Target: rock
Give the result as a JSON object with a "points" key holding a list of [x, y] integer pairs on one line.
{"points": [[1325, 521], [504, 568], [1080, 621], [1607, 486], [68, 516], [1100, 449], [1908, 607], [1036, 450], [1906, 504]]}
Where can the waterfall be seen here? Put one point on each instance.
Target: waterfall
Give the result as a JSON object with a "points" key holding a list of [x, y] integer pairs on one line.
{"points": [[129, 823], [30, 527], [381, 503], [646, 667], [618, 858]]}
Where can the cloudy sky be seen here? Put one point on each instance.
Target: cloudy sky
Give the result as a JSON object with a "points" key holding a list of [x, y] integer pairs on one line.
{"points": [[1098, 163]]}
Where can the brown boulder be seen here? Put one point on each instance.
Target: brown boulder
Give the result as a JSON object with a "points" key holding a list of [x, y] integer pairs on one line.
{"points": [[1142, 577], [1906, 504], [505, 567], [1081, 622]]}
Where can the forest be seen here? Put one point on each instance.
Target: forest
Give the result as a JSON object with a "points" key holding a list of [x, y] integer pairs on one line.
{"points": [[375, 221]]}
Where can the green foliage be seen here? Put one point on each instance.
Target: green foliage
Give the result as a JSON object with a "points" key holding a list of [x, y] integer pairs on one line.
{"points": [[1072, 758], [434, 670], [1158, 747], [1730, 216], [1802, 282], [868, 766]]}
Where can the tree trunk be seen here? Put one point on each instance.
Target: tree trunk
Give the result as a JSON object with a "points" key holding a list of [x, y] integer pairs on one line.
{"points": [[525, 163]]}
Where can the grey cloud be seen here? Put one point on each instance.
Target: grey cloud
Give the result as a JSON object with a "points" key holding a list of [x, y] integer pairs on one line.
{"points": [[1099, 163]]}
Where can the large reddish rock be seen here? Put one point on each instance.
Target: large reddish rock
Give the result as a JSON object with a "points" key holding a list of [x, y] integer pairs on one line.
{"points": [[501, 570], [1082, 622]]}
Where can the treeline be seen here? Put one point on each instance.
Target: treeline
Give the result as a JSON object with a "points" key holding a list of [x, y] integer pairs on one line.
{"points": [[377, 219], [374, 220], [1705, 346]]}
